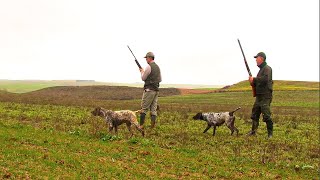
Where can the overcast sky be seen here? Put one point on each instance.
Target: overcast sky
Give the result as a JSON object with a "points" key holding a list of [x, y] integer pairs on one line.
{"points": [[195, 42]]}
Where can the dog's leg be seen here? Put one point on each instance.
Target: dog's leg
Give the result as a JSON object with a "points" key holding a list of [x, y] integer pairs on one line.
{"points": [[110, 124], [232, 131], [139, 128], [237, 131], [232, 127], [116, 129], [129, 128], [214, 129], [208, 127], [110, 129]]}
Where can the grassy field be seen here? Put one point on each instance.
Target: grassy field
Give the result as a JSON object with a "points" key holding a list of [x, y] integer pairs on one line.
{"points": [[57, 138]]}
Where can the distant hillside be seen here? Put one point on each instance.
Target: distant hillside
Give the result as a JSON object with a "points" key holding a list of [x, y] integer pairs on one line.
{"points": [[80, 94], [278, 85], [23, 86], [97, 92], [83, 89]]}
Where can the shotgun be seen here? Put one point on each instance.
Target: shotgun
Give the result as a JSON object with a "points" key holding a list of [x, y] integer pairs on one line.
{"points": [[248, 69], [135, 58]]}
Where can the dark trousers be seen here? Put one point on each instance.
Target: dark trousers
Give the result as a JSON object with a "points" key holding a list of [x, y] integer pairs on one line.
{"points": [[262, 106]]}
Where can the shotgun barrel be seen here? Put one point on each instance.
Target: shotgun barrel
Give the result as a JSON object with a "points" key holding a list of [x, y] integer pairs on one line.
{"points": [[244, 58], [248, 69], [138, 64]]}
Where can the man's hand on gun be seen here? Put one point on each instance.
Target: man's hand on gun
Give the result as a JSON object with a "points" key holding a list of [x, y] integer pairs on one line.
{"points": [[251, 80]]}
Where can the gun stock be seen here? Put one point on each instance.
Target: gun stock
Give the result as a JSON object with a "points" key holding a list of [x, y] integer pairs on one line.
{"points": [[248, 69]]}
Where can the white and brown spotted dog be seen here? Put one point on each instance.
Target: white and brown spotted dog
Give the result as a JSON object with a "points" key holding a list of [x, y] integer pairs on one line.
{"points": [[116, 118], [217, 119]]}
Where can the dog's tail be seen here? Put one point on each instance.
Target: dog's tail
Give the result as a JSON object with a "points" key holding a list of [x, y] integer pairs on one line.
{"points": [[231, 113], [140, 110]]}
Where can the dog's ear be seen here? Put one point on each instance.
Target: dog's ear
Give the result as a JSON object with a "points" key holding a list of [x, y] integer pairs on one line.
{"points": [[197, 116], [96, 111], [109, 112]]}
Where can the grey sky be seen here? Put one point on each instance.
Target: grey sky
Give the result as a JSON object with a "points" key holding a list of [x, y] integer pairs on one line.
{"points": [[195, 42]]}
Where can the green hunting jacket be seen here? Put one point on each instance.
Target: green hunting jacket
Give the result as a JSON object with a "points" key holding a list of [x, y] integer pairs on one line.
{"points": [[263, 82]]}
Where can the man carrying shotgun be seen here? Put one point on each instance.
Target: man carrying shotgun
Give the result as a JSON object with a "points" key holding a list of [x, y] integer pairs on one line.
{"points": [[263, 86], [151, 77]]}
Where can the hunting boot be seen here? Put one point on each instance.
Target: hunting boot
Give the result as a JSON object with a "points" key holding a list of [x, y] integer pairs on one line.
{"points": [[153, 121], [142, 119], [254, 128], [270, 128]]}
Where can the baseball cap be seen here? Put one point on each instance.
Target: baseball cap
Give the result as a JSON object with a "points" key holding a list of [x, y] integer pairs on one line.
{"points": [[261, 54], [149, 54]]}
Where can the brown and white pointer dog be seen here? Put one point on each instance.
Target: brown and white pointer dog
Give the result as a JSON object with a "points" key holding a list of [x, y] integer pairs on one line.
{"points": [[116, 118], [217, 119]]}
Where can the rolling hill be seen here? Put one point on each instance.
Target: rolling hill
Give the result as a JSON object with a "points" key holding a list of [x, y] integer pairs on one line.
{"points": [[278, 85], [78, 95], [24, 86]]}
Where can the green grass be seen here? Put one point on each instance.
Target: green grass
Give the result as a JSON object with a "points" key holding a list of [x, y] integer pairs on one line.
{"points": [[169, 152], [303, 99], [46, 139], [19, 87]]}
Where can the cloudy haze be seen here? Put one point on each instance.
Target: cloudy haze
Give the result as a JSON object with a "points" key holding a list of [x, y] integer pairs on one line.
{"points": [[195, 42]]}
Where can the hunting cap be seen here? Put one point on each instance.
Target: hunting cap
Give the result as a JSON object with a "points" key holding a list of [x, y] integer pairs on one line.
{"points": [[261, 54], [149, 54]]}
